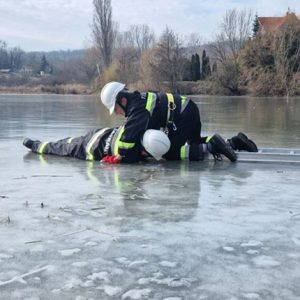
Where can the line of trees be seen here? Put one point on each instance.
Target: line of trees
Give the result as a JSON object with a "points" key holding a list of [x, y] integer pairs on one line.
{"points": [[11, 58], [137, 57], [229, 67], [236, 62], [18, 67]]}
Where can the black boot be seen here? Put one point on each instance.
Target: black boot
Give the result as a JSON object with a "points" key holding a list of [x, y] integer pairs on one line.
{"points": [[241, 142], [28, 143], [217, 146]]}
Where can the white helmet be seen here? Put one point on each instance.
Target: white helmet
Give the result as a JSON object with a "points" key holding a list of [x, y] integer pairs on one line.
{"points": [[109, 94], [156, 143]]}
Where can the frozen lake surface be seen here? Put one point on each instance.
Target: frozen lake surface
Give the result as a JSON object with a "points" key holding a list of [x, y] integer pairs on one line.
{"points": [[72, 229]]}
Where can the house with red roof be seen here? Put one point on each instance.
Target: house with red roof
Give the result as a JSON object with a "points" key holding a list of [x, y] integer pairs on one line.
{"points": [[272, 24]]}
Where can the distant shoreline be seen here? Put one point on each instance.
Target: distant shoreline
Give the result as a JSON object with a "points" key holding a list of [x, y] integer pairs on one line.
{"points": [[68, 89], [81, 89]]}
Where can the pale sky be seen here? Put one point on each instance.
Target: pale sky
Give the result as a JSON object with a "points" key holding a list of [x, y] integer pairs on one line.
{"points": [[45, 25]]}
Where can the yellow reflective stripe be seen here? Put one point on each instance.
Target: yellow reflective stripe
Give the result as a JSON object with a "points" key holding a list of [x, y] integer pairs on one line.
{"points": [[116, 147], [125, 145], [184, 102], [151, 100], [89, 155], [170, 98], [119, 144], [182, 152], [69, 140], [208, 139], [41, 147]]}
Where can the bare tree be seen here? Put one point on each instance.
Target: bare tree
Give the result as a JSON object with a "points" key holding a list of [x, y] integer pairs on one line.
{"points": [[128, 64], [4, 59], [193, 44], [103, 29], [286, 49], [140, 37], [169, 59], [124, 40], [235, 32], [16, 58], [87, 64]]}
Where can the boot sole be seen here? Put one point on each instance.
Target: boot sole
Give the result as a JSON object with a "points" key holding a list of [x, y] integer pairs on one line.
{"points": [[249, 144], [226, 148]]}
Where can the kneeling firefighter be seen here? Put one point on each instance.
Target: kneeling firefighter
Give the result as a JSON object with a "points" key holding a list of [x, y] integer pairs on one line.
{"points": [[100, 145], [178, 116]]}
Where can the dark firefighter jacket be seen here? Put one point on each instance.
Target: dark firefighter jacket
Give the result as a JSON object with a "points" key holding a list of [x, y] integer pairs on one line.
{"points": [[177, 114]]}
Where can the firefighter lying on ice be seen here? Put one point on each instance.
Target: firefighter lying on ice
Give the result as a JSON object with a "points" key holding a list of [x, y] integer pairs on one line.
{"points": [[103, 145]]}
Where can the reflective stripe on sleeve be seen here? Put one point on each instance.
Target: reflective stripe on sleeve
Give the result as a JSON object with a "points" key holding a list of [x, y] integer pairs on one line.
{"points": [[89, 155], [41, 147], [119, 144], [208, 139], [151, 101], [184, 103]]}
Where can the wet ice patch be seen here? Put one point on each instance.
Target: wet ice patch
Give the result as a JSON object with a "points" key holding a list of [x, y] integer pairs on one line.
{"points": [[252, 243], [5, 256], [180, 282], [37, 248], [80, 264], [174, 282], [173, 298], [265, 261], [80, 298], [138, 262], [117, 271], [169, 264], [294, 255], [136, 294], [228, 249], [110, 290], [123, 260], [72, 283], [69, 252], [91, 244], [100, 276], [56, 291], [251, 296], [144, 280], [87, 283], [37, 279], [252, 252], [295, 239]]}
